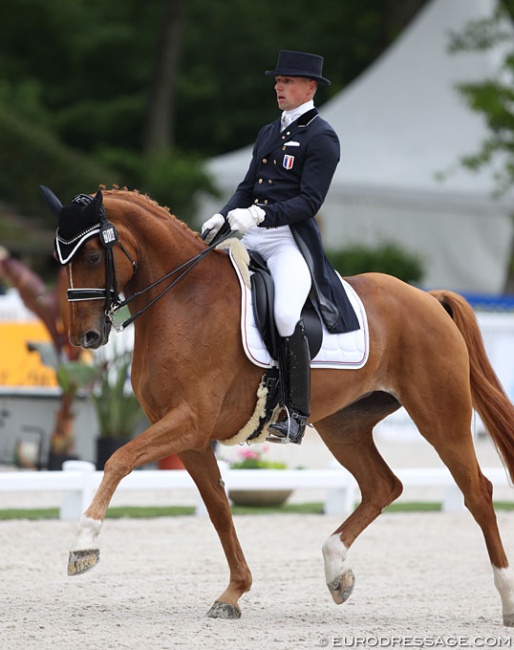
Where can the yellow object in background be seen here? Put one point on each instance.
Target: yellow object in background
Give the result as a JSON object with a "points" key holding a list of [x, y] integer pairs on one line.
{"points": [[18, 366]]}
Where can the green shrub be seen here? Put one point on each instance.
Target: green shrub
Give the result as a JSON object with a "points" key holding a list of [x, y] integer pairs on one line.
{"points": [[387, 258]]}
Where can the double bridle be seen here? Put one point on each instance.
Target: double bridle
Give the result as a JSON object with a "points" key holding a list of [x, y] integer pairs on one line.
{"points": [[109, 238], [113, 302]]}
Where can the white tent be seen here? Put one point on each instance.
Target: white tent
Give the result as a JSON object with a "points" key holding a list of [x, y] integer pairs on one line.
{"points": [[401, 124]]}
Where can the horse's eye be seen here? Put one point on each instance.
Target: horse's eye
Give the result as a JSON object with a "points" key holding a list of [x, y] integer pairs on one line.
{"points": [[93, 259]]}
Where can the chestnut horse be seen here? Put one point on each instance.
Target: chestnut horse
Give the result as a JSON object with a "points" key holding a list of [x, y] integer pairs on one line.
{"points": [[196, 385]]}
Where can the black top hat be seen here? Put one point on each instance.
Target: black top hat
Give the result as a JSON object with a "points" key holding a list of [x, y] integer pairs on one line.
{"points": [[299, 64]]}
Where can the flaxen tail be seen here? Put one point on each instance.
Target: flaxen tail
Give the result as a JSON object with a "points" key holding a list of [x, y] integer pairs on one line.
{"points": [[489, 398]]}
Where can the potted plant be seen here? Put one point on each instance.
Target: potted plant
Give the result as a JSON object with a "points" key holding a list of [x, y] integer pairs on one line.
{"points": [[118, 412], [71, 376], [253, 459]]}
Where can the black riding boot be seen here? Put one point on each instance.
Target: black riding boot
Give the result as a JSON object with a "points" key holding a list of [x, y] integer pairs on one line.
{"points": [[295, 364]]}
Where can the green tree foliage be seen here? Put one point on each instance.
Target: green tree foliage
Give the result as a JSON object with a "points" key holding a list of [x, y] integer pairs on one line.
{"points": [[243, 39], [79, 68], [31, 156], [85, 71], [83, 68], [492, 98]]}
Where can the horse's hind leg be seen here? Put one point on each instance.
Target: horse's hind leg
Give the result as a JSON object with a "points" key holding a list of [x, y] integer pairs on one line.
{"points": [[348, 435], [459, 456], [456, 449]]}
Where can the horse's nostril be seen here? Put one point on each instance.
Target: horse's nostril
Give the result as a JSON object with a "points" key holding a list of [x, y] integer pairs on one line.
{"points": [[91, 339]]}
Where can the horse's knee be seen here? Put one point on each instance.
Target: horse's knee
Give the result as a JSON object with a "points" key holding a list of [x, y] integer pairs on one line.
{"points": [[120, 463]]}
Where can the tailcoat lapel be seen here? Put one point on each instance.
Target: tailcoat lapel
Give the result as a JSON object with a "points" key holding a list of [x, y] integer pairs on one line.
{"points": [[275, 138]]}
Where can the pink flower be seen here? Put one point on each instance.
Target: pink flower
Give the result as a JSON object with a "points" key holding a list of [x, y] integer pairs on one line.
{"points": [[249, 454]]}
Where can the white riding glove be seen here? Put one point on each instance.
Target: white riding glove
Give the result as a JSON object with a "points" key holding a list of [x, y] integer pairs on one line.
{"points": [[212, 226], [244, 218]]}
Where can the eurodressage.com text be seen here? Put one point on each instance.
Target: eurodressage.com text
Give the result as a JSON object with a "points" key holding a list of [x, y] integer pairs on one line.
{"points": [[416, 642]]}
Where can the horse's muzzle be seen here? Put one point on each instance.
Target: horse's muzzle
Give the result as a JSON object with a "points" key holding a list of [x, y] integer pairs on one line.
{"points": [[93, 339]]}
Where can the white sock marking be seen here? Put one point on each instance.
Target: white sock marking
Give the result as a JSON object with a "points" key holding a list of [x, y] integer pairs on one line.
{"points": [[504, 582], [334, 555], [87, 534]]}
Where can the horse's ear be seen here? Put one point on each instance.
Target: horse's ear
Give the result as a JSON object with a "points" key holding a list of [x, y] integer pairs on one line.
{"points": [[51, 200], [96, 206]]}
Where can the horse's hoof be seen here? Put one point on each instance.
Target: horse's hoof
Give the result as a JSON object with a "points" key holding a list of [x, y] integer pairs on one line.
{"points": [[341, 588], [81, 561], [224, 610], [508, 620]]}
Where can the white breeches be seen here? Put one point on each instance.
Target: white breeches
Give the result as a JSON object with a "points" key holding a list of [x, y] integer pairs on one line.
{"points": [[288, 269]]}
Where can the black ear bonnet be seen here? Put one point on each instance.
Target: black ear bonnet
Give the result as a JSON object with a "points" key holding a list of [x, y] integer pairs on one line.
{"points": [[83, 218]]}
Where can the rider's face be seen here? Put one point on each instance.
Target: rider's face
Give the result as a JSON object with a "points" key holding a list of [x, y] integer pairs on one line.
{"points": [[293, 91]]}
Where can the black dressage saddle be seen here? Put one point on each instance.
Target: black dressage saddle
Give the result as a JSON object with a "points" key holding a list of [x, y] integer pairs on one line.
{"points": [[263, 299]]}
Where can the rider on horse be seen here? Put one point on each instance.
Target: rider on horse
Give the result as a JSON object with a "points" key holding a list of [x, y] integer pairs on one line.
{"points": [[293, 162]]}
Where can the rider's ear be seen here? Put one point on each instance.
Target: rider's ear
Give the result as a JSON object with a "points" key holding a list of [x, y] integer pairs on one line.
{"points": [[51, 200]]}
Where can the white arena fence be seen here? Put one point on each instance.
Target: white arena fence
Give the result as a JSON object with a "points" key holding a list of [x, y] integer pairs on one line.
{"points": [[79, 480]]}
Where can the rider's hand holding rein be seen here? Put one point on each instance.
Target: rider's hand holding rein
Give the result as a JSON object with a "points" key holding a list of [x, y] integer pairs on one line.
{"points": [[242, 219], [211, 227]]}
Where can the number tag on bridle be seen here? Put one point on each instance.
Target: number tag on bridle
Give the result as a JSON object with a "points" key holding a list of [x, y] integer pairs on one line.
{"points": [[108, 235]]}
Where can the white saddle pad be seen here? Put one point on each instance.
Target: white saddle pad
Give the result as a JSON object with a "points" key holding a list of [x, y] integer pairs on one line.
{"points": [[344, 351]]}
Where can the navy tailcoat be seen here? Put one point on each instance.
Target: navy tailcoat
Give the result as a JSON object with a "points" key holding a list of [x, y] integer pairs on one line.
{"points": [[289, 177]]}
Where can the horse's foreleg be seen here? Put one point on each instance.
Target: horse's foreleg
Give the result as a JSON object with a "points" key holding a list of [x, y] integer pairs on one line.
{"points": [[85, 552], [151, 445], [203, 468]]}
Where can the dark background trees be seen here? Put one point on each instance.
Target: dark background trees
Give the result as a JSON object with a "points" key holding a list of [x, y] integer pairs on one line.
{"points": [[187, 72], [141, 93], [148, 90]]}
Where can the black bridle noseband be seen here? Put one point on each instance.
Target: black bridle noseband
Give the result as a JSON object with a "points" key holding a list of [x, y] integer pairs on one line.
{"points": [[108, 236], [113, 303]]}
